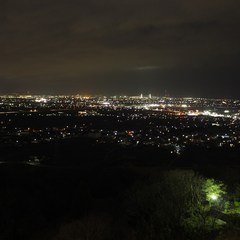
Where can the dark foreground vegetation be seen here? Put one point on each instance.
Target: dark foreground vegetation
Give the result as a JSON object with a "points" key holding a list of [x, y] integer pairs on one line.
{"points": [[87, 191]]}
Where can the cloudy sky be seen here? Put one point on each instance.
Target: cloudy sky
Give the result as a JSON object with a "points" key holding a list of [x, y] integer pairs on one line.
{"points": [[187, 47]]}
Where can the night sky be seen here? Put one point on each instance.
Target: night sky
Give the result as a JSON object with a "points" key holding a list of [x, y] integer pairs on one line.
{"points": [[187, 47]]}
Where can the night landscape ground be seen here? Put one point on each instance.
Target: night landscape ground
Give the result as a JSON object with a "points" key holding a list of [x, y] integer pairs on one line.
{"points": [[77, 167]]}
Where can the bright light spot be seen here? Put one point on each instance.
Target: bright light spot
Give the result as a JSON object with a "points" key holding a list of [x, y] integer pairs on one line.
{"points": [[106, 103], [41, 100], [214, 197]]}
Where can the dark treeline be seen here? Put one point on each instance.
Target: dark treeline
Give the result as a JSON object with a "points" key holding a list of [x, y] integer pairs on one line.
{"points": [[84, 190]]}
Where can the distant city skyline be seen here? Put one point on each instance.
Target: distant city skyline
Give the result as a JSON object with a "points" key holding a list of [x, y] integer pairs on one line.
{"points": [[130, 94]]}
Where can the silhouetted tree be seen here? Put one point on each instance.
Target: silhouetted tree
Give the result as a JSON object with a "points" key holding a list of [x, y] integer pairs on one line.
{"points": [[176, 205]]}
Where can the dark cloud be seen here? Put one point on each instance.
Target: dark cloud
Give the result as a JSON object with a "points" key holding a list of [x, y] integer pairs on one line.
{"points": [[106, 46]]}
